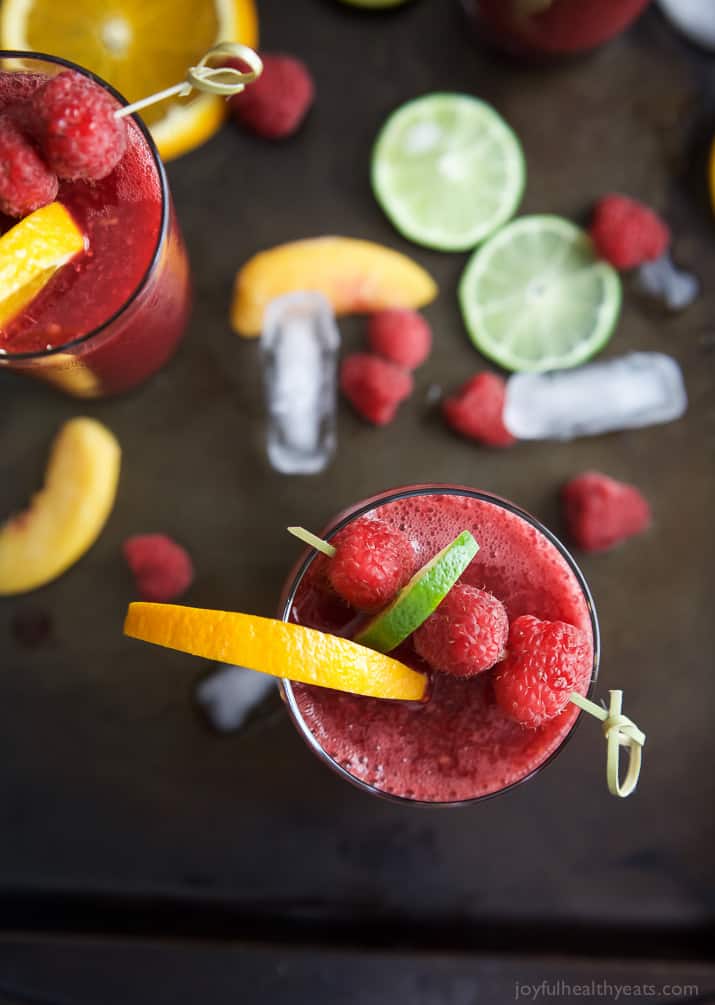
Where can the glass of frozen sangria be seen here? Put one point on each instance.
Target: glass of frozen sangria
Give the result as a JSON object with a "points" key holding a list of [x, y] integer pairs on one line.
{"points": [[483, 728], [95, 288]]}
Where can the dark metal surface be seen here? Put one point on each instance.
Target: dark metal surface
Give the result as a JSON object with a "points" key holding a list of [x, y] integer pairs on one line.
{"points": [[112, 787], [56, 971]]}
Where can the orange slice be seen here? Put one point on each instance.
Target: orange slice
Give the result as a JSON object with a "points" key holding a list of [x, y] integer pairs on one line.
{"points": [[30, 254], [140, 47], [275, 647]]}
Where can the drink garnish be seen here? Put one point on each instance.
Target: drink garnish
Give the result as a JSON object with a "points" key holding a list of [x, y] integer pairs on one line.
{"points": [[419, 598], [275, 647], [534, 683], [619, 731], [221, 80], [31, 252], [139, 48]]}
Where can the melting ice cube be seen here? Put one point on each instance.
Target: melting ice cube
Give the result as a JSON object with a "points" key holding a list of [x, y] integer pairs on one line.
{"points": [[662, 279], [299, 347], [695, 18], [230, 694], [640, 389]]}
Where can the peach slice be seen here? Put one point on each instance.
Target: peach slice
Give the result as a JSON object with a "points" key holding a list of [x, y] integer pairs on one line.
{"points": [[356, 276], [66, 516]]}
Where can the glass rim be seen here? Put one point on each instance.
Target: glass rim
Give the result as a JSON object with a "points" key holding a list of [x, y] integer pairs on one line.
{"points": [[366, 506], [14, 357]]}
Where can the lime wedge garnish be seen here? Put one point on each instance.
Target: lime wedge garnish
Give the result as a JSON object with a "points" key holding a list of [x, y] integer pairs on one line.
{"points": [[447, 170], [420, 597], [536, 297]]}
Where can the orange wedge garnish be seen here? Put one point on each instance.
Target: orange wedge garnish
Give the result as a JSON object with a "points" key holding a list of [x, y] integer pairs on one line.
{"points": [[31, 252], [275, 647]]}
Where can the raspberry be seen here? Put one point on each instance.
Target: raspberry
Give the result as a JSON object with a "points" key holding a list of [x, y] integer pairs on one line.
{"points": [[600, 512], [371, 563], [373, 386], [73, 120], [477, 408], [627, 233], [402, 336], [26, 183], [545, 662], [466, 634], [274, 105], [162, 568]]}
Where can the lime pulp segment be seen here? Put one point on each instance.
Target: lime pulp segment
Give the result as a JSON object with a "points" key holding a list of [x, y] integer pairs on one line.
{"points": [[536, 297], [420, 597], [447, 171]]}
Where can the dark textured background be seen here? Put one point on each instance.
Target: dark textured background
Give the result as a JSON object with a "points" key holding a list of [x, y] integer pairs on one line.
{"points": [[121, 811]]}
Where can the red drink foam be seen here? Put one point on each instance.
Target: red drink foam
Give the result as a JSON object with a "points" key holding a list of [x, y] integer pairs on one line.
{"points": [[458, 745]]}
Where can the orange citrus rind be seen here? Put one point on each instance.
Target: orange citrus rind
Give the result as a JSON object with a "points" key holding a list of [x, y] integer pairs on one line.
{"points": [[31, 252], [279, 648]]}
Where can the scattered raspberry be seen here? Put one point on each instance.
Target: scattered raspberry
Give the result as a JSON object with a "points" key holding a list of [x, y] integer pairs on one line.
{"points": [[545, 662], [372, 562], [600, 512], [627, 233], [373, 386], [466, 634], [400, 335], [161, 567], [73, 120], [26, 183], [274, 105], [476, 410]]}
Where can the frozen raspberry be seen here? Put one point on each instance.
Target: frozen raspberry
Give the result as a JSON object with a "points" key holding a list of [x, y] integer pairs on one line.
{"points": [[371, 563], [600, 512], [400, 335], [26, 183], [73, 121], [161, 567], [275, 105], [476, 410], [627, 233], [545, 662], [466, 634], [373, 386]]}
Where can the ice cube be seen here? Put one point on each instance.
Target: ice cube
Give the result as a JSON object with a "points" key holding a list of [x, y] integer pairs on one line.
{"points": [[299, 346], [639, 389], [229, 695], [695, 18], [663, 280]]}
